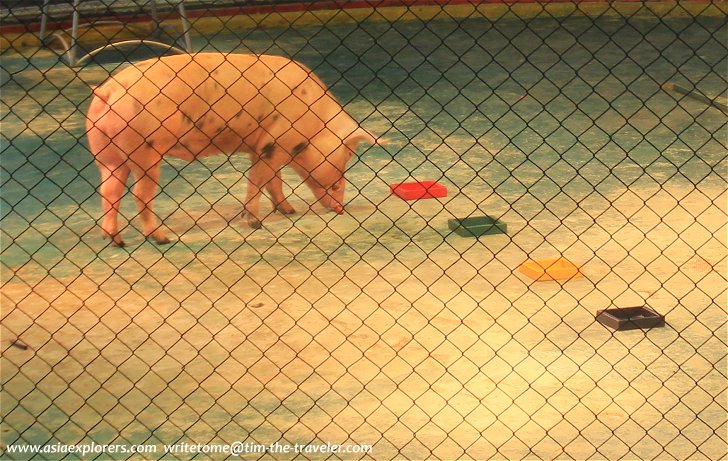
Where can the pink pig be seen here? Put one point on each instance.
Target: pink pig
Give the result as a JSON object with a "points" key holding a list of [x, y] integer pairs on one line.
{"points": [[191, 106]]}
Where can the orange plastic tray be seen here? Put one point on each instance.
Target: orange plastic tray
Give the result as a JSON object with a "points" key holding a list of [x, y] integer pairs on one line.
{"points": [[550, 269]]}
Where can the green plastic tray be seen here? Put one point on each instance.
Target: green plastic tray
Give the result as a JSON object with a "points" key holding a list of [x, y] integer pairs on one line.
{"points": [[477, 225]]}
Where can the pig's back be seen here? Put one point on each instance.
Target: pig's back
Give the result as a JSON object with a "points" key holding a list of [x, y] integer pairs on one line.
{"points": [[194, 99], [211, 75]]}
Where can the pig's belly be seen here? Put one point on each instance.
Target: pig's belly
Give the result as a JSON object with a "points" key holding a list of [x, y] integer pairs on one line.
{"points": [[196, 145]]}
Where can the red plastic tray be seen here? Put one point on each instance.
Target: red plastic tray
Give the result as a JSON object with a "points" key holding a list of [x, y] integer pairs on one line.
{"points": [[418, 190]]}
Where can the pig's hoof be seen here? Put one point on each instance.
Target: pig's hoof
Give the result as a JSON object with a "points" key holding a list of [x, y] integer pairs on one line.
{"points": [[160, 240], [116, 240], [285, 209], [253, 222]]}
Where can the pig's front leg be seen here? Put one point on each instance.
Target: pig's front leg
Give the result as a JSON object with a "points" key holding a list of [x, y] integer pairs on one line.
{"points": [[275, 190], [263, 173]]}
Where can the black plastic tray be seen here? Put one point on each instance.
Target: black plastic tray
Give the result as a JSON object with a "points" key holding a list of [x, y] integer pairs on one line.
{"points": [[630, 318]]}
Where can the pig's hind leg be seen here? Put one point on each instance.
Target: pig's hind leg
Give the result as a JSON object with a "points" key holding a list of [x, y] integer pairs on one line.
{"points": [[146, 168], [113, 185]]}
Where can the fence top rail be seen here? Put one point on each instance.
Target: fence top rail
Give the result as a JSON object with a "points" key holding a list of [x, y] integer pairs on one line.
{"points": [[24, 12]]}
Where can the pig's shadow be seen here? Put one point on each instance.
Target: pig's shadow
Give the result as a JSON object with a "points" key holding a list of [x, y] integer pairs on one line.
{"points": [[213, 220]]}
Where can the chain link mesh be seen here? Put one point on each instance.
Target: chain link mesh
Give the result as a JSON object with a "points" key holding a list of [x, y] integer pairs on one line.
{"points": [[595, 131]]}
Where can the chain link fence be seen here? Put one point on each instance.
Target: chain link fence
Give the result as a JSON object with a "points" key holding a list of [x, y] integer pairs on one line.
{"points": [[585, 141]]}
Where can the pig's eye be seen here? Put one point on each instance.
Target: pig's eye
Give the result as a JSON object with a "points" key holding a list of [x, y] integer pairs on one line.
{"points": [[336, 186]]}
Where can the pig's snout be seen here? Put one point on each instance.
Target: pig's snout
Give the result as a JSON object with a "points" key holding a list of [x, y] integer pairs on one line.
{"points": [[332, 197]]}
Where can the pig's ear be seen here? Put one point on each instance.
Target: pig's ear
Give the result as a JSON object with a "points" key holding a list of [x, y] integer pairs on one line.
{"points": [[361, 135]]}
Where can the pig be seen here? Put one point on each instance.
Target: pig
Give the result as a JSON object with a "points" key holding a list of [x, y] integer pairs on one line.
{"points": [[193, 105]]}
